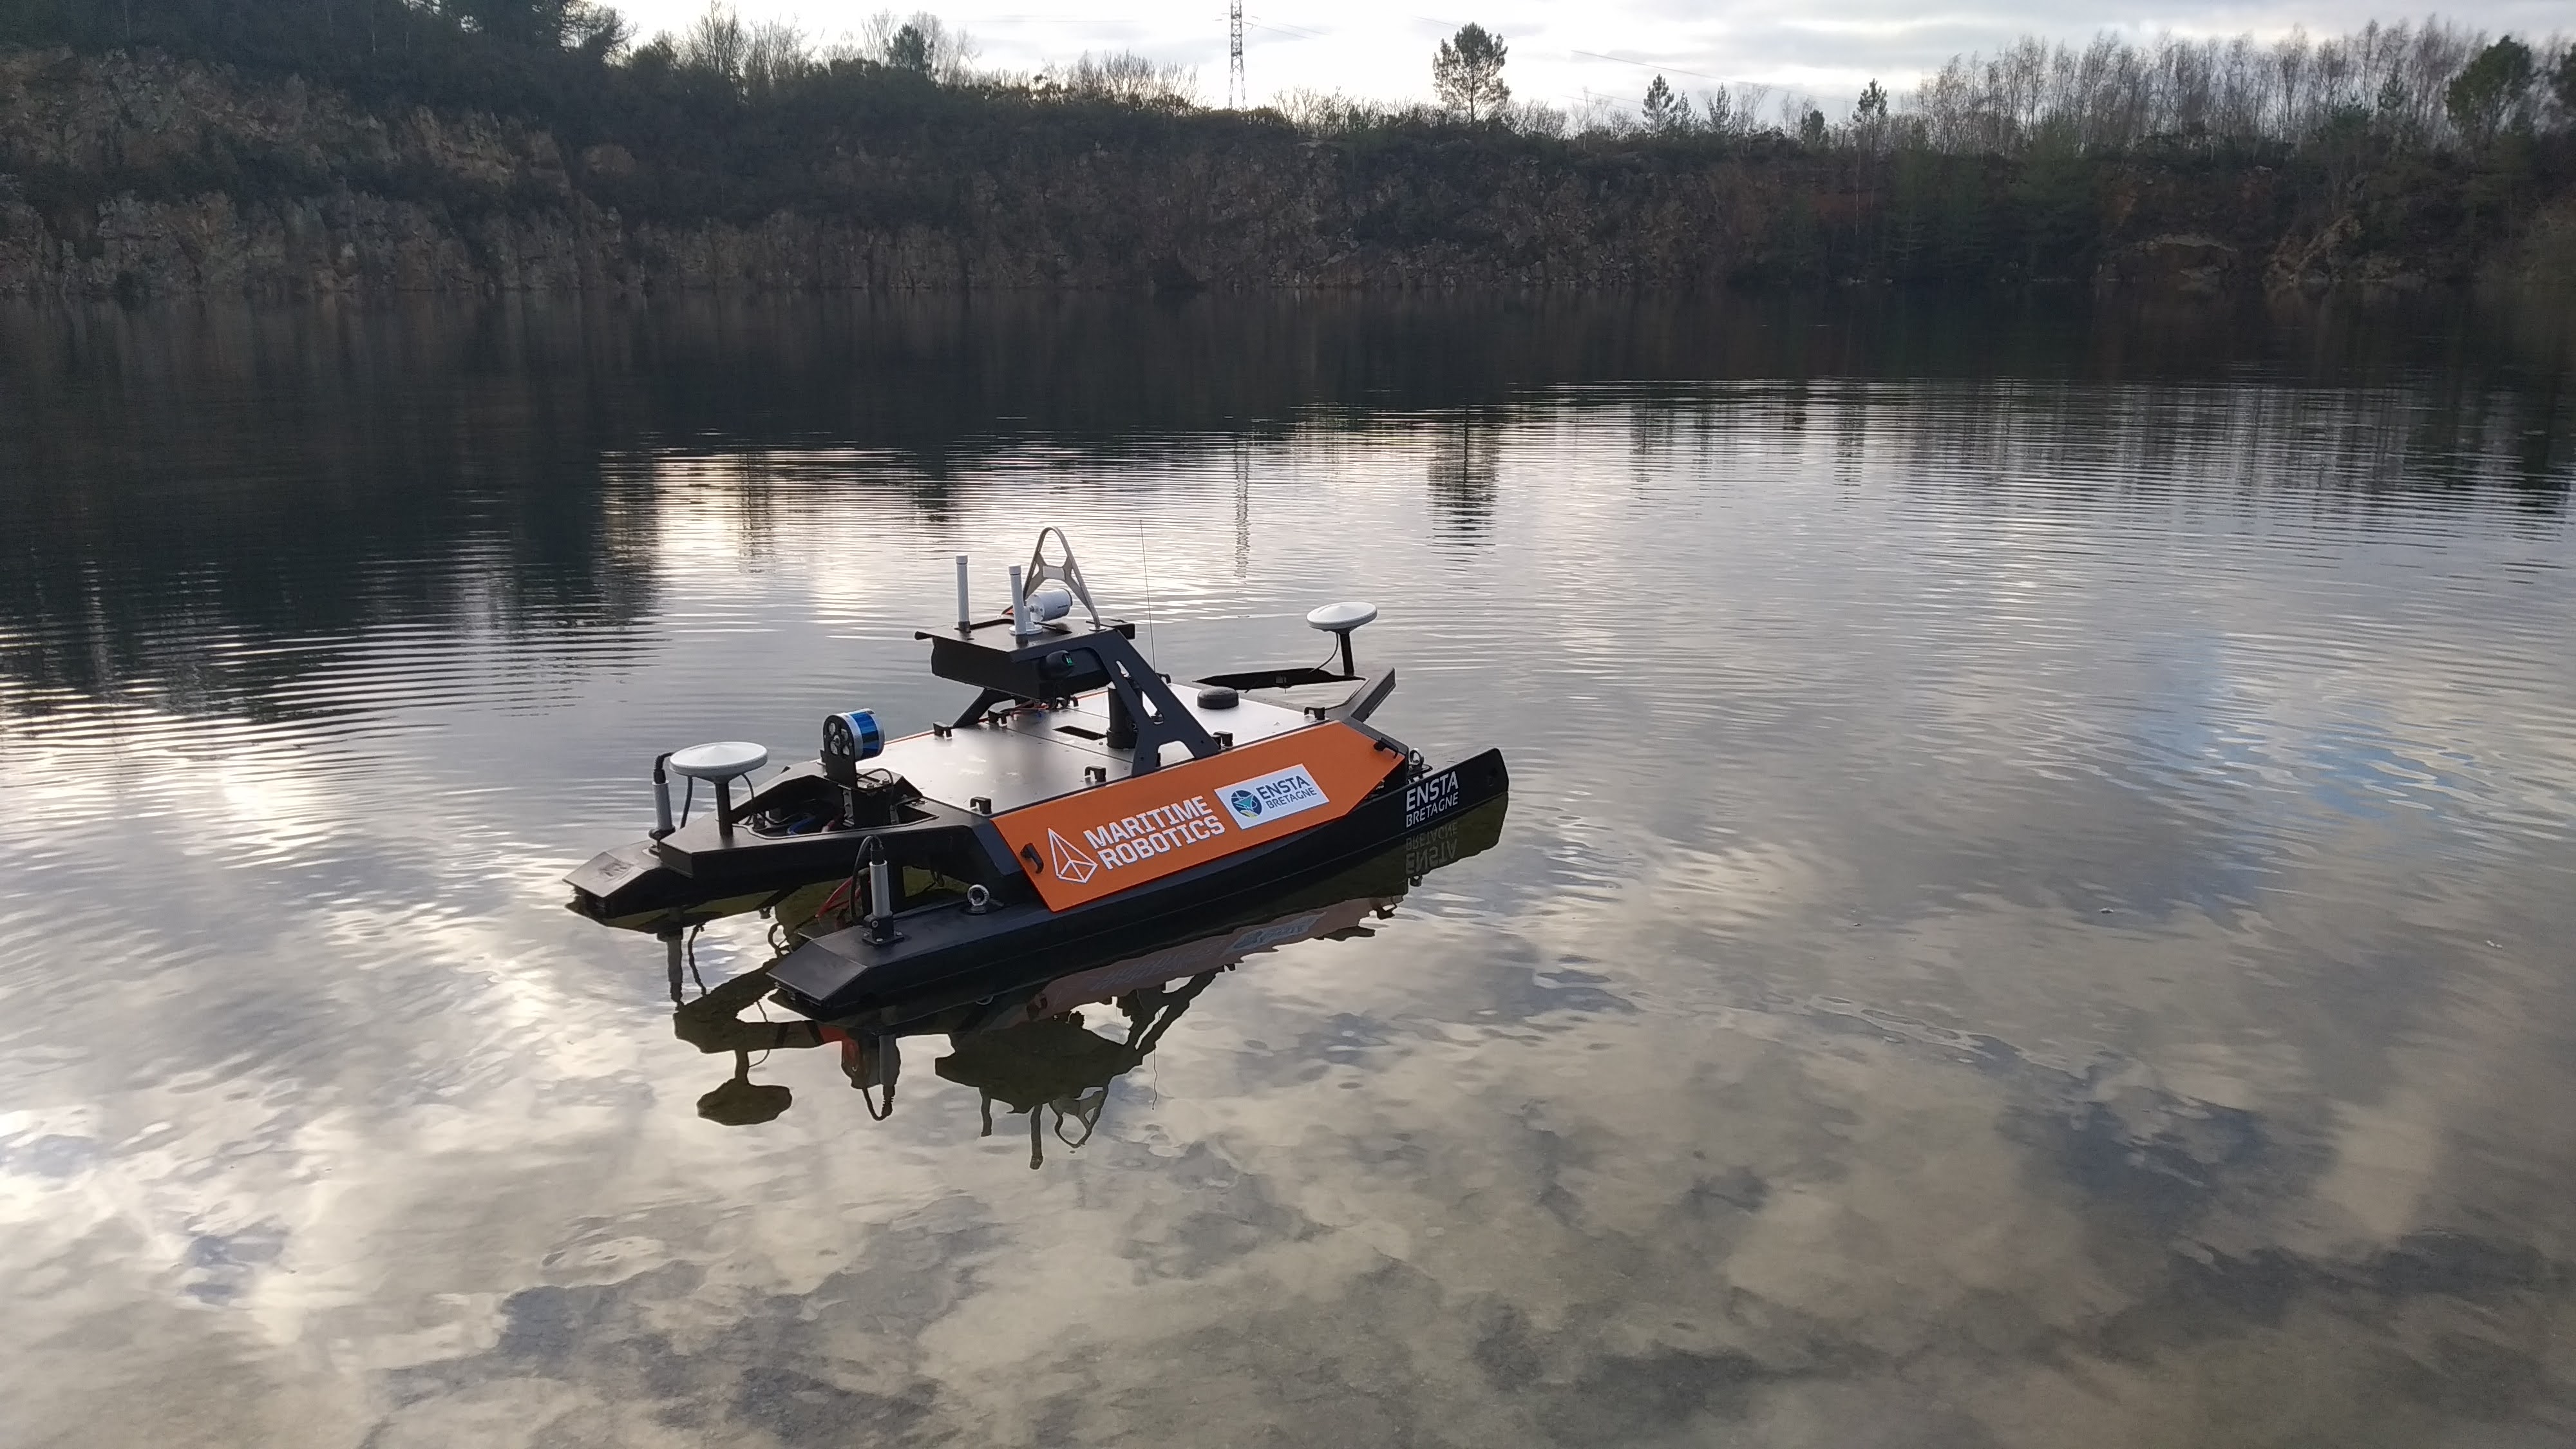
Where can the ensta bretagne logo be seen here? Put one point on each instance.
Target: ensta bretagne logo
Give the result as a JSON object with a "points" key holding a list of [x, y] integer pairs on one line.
{"points": [[1259, 801]]}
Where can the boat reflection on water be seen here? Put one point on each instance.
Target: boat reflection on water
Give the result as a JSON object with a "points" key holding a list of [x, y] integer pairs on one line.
{"points": [[1016, 1030]]}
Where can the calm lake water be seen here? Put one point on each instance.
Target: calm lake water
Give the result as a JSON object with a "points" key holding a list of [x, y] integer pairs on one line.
{"points": [[2036, 907]]}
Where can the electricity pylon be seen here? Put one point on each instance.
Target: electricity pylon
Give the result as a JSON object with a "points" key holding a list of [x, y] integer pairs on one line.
{"points": [[1235, 93]]}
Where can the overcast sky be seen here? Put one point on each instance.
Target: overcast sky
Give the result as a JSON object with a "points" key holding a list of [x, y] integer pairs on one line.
{"points": [[1564, 53]]}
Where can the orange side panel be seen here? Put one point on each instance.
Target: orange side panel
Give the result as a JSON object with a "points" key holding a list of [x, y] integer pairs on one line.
{"points": [[1101, 841]]}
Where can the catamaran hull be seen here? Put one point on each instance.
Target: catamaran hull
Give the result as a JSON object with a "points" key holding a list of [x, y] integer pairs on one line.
{"points": [[849, 970]]}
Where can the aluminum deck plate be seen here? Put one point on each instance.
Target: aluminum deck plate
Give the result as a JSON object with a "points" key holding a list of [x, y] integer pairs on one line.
{"points": [[1038, 754]]}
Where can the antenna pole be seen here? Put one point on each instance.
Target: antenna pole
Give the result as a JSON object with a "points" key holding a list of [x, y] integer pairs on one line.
{"points": [[1237, 95], [1242, 507]]}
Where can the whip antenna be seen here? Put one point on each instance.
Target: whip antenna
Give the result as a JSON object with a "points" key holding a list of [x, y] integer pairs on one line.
{"points": [[1145, 557]]}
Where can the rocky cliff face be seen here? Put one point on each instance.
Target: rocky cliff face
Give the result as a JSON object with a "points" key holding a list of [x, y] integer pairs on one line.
{"points": [[146, 176]]}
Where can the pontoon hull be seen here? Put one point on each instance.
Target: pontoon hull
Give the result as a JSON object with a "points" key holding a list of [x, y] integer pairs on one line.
{"points": [[848, 970]]}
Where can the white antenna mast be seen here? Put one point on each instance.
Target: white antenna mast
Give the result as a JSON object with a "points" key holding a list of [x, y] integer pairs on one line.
{"points": [[1145, 556]]}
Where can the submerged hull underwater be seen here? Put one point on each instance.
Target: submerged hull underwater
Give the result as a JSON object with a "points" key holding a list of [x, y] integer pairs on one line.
{"points": [[848, 971]]}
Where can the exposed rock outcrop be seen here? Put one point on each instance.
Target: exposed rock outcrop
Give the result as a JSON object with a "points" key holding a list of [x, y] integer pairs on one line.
{"points": [[2182, 264]]}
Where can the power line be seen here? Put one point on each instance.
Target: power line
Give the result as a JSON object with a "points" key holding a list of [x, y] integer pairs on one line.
{"points": [[1287, 29], [1651, 65]]}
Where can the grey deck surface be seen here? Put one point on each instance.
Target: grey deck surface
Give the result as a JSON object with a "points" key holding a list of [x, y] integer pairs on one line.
{"points": [[1035, 756]]}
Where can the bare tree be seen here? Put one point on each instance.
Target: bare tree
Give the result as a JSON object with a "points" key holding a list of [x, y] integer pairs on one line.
{"points": [[1339, 113], [1533, 119], [1467, 71], [2393, 79], [1735, 110], [921, 43], [594, 30], [717, 43], [1123, 78], [774, 57]]}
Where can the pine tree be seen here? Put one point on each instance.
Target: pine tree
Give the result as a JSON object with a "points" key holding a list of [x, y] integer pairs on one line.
{"points": [[1665, 110], [2489, 90], [1468, 73], [909, 50]]}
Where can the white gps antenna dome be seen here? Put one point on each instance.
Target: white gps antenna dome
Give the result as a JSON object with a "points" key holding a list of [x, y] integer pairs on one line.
{"points": [[1339, 620], [723, 762]]}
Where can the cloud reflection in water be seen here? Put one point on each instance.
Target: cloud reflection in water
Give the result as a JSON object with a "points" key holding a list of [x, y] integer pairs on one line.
{"points": [[2032, 900]]}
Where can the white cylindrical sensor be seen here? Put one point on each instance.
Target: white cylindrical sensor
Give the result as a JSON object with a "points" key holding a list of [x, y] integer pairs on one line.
{"points": [[965, 605]]}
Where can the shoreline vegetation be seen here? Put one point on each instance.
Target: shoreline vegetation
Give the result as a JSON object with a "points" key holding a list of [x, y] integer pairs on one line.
{"points": [[301, 147]]}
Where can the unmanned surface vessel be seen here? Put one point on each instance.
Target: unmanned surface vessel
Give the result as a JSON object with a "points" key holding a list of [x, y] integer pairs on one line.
{"points": [[1078, 795]]}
